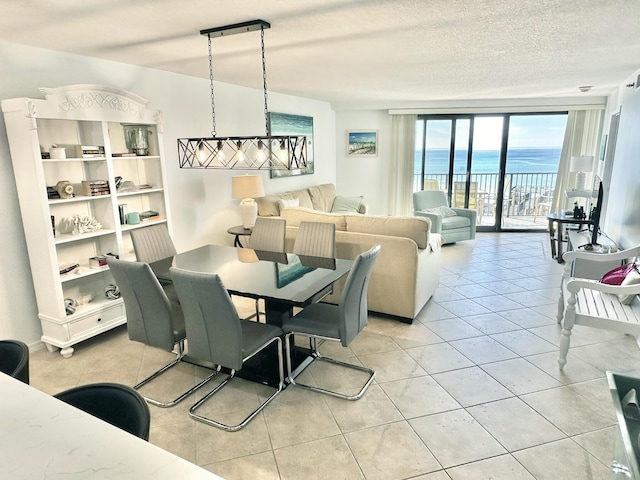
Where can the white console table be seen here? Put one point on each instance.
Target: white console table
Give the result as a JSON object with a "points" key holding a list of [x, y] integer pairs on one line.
{"points": [[43, 437]]}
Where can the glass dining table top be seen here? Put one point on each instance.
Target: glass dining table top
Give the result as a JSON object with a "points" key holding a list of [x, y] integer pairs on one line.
{"points": [[277, 276]]}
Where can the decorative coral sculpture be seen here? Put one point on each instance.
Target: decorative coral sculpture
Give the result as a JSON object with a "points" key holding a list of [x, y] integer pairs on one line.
{"points": [[85, 224]]}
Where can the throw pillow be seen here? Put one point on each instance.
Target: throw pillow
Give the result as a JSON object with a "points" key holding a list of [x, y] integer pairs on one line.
{"points": [[618, 274], [443, 211], [346, 204], [288, 202], [632, 278]]}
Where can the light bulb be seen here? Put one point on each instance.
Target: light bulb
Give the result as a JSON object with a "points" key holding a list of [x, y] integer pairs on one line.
{"points": [[260, 155], [282, 154], [201, 155], [241, 155], [220, 156]]}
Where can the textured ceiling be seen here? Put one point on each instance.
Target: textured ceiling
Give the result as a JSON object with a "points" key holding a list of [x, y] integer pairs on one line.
{"points": [[356, 53]]}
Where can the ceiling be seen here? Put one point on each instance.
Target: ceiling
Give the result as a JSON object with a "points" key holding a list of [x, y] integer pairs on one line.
{"points": [[356, 54]]}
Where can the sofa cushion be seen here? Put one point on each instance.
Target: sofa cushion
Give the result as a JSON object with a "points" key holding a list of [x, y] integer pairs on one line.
{"points": [[346, 204], [287, 202], [415, 228], [442, 210], [322, 197], [295, 215], [457, 221], [303, 197], [268, 205]]}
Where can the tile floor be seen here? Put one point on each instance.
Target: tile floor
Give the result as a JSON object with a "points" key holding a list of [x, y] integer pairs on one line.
{"points": [[471, 390]]}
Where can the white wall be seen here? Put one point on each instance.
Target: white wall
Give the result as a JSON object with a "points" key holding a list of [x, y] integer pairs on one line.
{"points": [[365, 176], [201, 205]]}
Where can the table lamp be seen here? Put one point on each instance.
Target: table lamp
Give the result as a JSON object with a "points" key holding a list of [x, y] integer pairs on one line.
{"points": [[581, 166], [246, 188]]}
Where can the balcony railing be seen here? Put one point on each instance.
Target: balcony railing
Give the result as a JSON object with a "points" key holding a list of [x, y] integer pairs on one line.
{"points": [[527, 196]]}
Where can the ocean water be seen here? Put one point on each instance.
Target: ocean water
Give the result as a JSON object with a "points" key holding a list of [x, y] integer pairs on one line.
{"points": [[519, 160]]}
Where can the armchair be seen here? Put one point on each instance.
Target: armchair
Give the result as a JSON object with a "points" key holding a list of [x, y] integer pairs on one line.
{"points": [[453, 228]]}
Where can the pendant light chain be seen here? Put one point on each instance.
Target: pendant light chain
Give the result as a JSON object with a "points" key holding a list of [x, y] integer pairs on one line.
{"points": [[213, 103], [264, 83]]}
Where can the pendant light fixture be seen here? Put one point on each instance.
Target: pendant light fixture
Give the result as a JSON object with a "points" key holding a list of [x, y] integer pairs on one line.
{"points": [[268, 152]]}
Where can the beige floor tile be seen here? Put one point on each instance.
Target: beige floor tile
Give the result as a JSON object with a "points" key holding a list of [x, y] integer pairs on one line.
{"points": [[440, 357], [603, 357], [419, 396], [390, 366], [491, 323], [444, 433], [498, 303], [528, 317], [374, 408], [561, 460], [600, 444], [453, 329], [376, 451], [432, 312], [466, 307], [482, 350], [504, 467], [471, 386], [524, 342], [261, 466], [414, 335], [303, 419], [369, 342], [570, 412], [574, 371], [514, 424], [326, 459], [520, 376]]}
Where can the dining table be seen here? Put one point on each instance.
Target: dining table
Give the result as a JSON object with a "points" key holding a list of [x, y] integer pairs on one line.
{"points": [[283, 280], [43, 437]]}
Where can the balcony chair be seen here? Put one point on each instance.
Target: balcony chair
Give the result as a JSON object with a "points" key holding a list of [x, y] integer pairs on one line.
{"points": [[216, 334], [152, 318], [341, 322], [14, 359], [116, 404], [454, 224], [267, 235]]}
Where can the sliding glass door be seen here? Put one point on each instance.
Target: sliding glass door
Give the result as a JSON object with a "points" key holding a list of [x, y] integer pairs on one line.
{"points": [[503, 166]]}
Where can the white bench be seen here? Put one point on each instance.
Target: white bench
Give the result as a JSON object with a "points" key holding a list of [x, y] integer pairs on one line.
{"points": [[594, 304]]}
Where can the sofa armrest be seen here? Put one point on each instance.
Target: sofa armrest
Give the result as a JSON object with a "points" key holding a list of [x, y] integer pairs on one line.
{"points": [[470, 213], [436, 220]]}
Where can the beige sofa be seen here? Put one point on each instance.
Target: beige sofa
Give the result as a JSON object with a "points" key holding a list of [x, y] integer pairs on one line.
{"points": [[318, 197], [407, 271]]}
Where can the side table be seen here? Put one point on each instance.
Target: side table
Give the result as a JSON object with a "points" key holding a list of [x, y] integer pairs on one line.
{"points": [[239, 231], [556, 231]]}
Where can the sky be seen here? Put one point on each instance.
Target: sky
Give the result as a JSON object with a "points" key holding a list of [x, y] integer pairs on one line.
{"points": [[526, 131]]}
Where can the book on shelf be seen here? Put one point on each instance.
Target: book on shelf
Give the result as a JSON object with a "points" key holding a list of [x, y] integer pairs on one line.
{"points": [[123, 154], [92, 151], [98, 262], [95, 187], [149, 215]]}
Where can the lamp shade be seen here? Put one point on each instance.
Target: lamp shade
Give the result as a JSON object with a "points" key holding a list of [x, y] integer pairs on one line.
{"points": [[247, 186], [581, 164]]}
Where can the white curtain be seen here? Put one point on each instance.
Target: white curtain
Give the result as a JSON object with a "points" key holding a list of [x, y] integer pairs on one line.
{"points": [[580, 138], [403, 133]]}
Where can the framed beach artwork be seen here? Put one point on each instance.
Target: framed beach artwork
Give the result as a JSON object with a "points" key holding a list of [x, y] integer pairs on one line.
{"points": [[362, 143], [288, 124]]}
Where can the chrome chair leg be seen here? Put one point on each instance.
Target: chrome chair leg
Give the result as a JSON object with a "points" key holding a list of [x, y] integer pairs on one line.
{"points": [[176, 361], [316, 355], [235, 428]]}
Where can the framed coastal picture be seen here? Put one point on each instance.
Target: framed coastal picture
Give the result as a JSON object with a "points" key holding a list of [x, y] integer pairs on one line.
{"points": [[362, 143], [288, 124]]}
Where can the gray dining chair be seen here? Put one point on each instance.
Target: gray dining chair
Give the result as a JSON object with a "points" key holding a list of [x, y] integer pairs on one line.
{"points": [[152, 244], [316, 239], [152, 318], [267, 235], [341, 322], [216, 334]]}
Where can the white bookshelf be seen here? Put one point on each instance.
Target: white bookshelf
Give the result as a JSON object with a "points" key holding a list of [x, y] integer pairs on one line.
{"points": [[74, 116]]}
